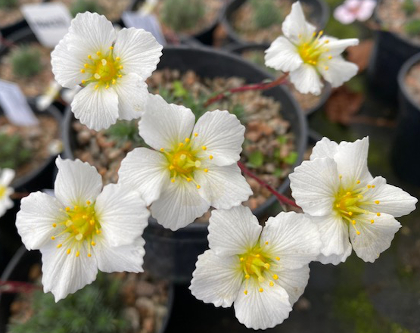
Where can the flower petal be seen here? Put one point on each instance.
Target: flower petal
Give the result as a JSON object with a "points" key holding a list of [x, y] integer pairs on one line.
{"points": [[392, 200], [5, 202], [324, 148], [343, 15], [96, 108], [66, 65], [76, 182], [306, 80], [90, 33], [132, 96], [6, 176], [223, 187], [146, 171], [222, 134], [366, 10], [139, 51], [293, 238], [179, 205], [63, 273], [334, 234], [216, 279], [126, 258], [295, 25], [335, 259], [122, 214], [337, 46], [282, 55], [374, 237], [314, 185], [233, 231], [261, 310], [294, 281], [35, 219], [337, 71], [165, 125], [351, 160]]}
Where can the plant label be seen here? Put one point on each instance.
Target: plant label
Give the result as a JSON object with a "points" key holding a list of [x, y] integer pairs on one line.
{"points": [[14, 105], [49, 21], [147, 22]]}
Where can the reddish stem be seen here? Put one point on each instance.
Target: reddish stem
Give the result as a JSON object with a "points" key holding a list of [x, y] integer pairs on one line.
{"points": [[279, 196], [258, 86], [19, 195], [17, 287]]}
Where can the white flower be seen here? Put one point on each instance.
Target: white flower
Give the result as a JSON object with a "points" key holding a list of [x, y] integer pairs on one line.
{"points": [[264, 273], [83, 229], [352, 10], [337, 190], [6, 177], [112, 66], [193, 167], [307, 55]]}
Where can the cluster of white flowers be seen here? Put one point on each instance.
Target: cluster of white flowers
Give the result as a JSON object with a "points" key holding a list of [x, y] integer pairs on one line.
{"points": [[191, 167]]}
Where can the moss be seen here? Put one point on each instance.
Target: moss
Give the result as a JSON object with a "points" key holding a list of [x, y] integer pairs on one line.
{"points": [[182, 15], [26, 61]]}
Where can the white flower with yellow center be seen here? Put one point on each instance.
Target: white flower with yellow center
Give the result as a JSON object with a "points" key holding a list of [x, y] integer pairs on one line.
{"points": [[346, 202], [307, 55], [192, 167], [112, 66], [263, 271], [6, 177], [83, 229]]}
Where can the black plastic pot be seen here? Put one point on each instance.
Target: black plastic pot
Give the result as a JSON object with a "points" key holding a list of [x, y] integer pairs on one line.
{"points": [[42, 177], [390, 52], [405, 156], [320, 15], [326, 91], [18, 270], [173, 255], [204, 36]]}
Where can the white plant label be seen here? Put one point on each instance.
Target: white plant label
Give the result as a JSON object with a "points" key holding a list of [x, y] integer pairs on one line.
{"points": [[49, 21], [14, 105], [147, 22]]}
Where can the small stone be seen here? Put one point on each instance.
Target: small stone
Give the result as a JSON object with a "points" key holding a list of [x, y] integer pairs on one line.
{"points": [[83, 137], [302, 304], [132, 315], [145, 289]]}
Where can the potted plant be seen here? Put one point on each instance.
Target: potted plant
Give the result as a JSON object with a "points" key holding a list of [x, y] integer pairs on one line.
{"points": [[406, 152], [253, 21], [190, 76], [118, 302], [308, 103], [396, 41], [187, 19], [111, 9]]}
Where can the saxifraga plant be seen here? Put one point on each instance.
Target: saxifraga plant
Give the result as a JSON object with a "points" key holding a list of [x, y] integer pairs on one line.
{"points": [[81, 6], [266, 14], [26, 61], [5, 4], [93, 309], [12, 152], [409, 7], [182, 14], [412, 28]]}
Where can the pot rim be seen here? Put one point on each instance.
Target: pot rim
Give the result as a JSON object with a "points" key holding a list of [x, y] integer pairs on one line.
{"points": [[413, 60]]}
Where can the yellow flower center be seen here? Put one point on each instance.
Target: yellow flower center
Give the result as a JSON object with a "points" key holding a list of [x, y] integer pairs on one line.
{"points": [[257, 263], [351, 204], [104, 69], [81, 226], [183, 160], [311, 50], [2, 191]]}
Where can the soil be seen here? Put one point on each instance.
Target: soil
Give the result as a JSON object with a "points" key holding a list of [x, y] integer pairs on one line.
{"points": [[36, 84], [41, 140], [145, 301], [412, 83], [243, 22], [13, 15], [306, 101], [111, 9], [266, 131], [212, 11], [394, 19]]}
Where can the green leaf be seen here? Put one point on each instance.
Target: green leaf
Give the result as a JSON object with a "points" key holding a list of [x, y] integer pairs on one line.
{"points": [[256, 159], [291, 158]]}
